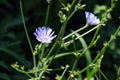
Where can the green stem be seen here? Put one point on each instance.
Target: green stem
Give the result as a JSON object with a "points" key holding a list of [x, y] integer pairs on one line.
{"points": [[26, 32], [62, 31], [75, 63], [67, 66], [71, 14], [87, 53], [102, 22], [87, 32], [79, 1], [47, 14], [42, 52], [96, 33], [80, 29], [54, 45], [23, 72], [84, 34], [40, 75], [76, 57], [85, 68], [103, 75], [86, 49], [63, 54], [72, 5], [107, 43], [84, 45], [98, 28], [103, 49]]}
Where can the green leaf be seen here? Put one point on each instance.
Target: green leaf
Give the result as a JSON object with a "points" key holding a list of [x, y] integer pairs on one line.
{"points": [[4, 76], [18, 57], [10, 22], [2, 64]]}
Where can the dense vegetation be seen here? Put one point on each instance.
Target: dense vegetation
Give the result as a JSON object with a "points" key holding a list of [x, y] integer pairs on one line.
{"points": [[14, 45]]}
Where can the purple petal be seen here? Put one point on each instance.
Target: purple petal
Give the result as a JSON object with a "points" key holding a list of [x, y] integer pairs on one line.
{"points": [[91, 18], [44, 35]]}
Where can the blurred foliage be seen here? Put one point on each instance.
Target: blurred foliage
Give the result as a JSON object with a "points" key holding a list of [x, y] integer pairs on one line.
{"points": [[13, 42]]}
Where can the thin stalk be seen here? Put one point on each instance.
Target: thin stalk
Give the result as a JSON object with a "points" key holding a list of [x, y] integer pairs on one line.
{"points": [[87, 53], [71, 15], [87, 67], [84, 45], [47, 14], [23, 72], [72, 4], [87, 32], [95, 35], [67, 66], [42, 52], [61, 32], [103, 75], [84, 34], [103, 49], [76, 57], [86, 49], [64, 54], [26, 32], [103, 21], [58, 69], [80, 29], [40, 75], [79, 1], [74, 65], [105, 46], [62, 3], [99, 26], [54, 45]]}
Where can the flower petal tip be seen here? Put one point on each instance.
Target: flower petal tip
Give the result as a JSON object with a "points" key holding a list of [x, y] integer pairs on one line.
{"points": [[91, 18], [44, 34]]}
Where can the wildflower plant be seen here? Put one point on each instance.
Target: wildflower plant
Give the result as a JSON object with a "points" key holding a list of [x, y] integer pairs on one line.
{"points": [[43, 58], [44, 35], [91, 18]]}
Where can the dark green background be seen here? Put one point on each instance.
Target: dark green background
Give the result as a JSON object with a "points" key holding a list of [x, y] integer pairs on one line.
{"points": [[14, 46]]}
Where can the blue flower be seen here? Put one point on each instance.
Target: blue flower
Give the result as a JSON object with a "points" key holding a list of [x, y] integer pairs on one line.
{"points": [[44, 35], [91, 18]]}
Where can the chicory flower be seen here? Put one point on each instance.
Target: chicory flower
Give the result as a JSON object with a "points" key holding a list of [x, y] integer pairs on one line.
{"points": [[91, 18], [44, 35]]}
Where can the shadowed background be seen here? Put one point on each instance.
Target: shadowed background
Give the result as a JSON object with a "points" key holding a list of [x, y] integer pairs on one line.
{"points": [[14, 46]]}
